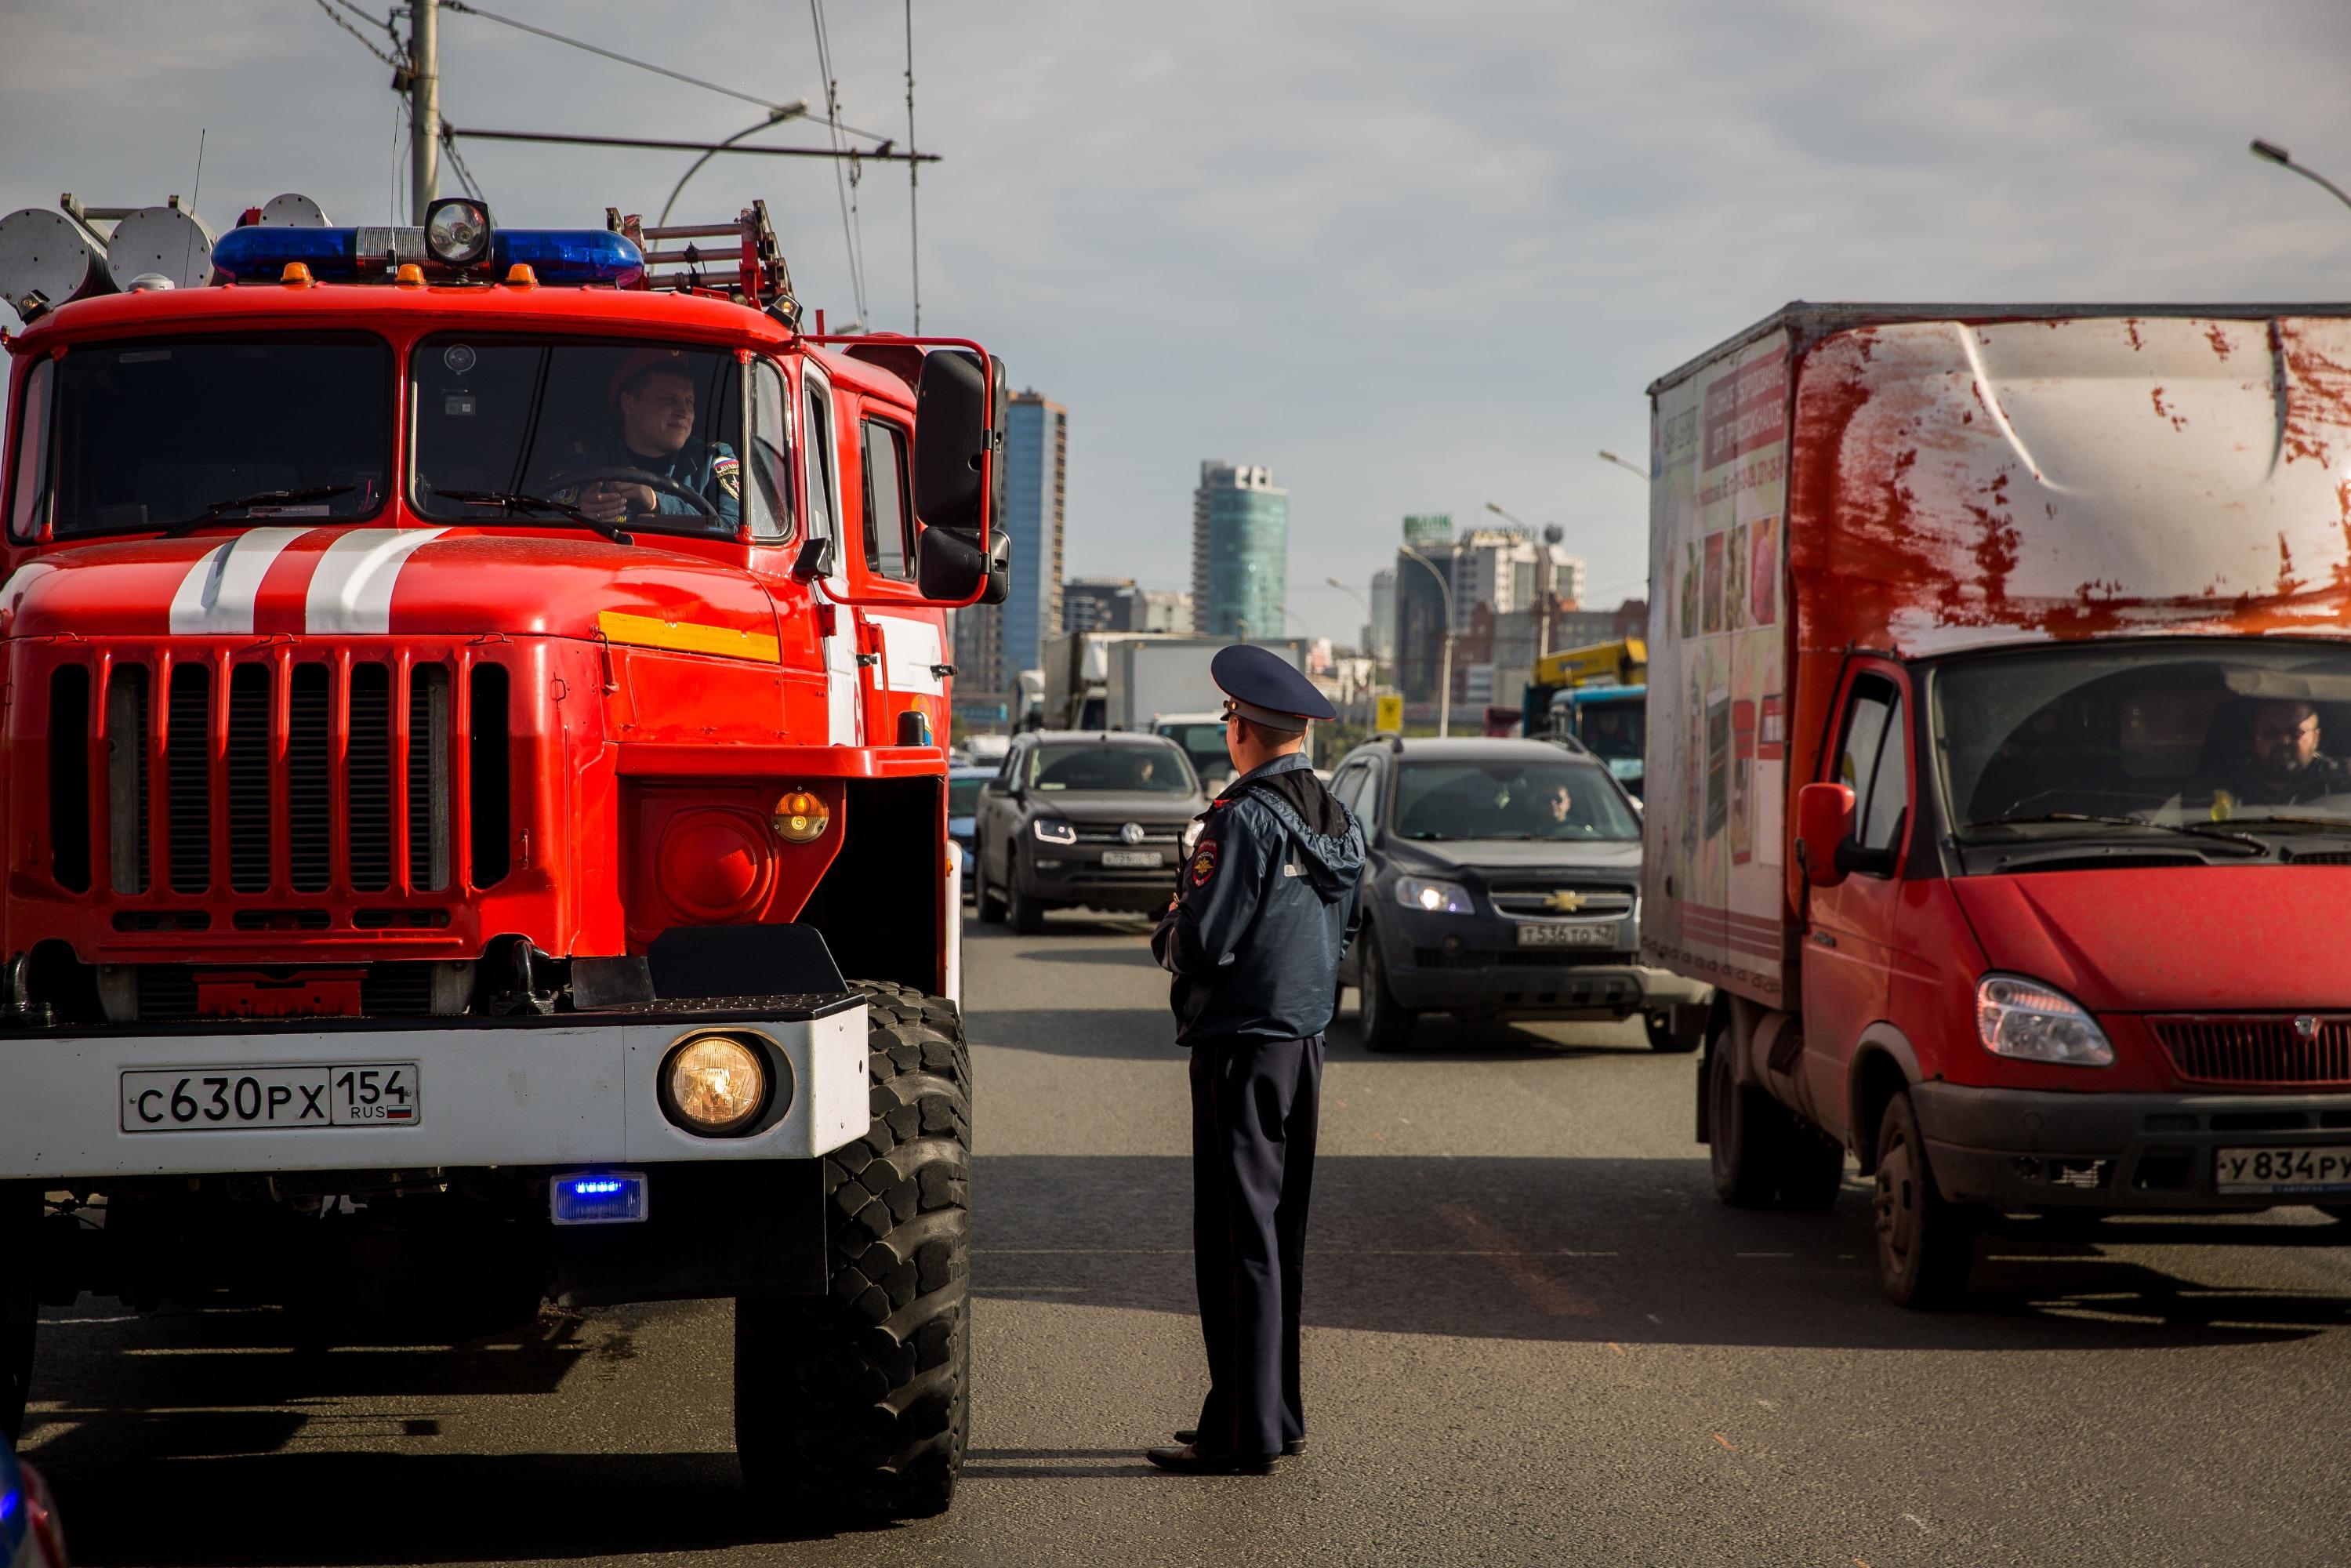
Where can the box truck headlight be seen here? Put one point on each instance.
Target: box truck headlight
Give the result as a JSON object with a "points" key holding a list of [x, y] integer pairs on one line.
{"points": [[1434, 897], [1053, 831], [713, 1084], [2032, 1022]]}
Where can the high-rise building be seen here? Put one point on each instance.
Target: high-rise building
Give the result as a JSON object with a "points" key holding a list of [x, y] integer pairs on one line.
{"points": [[1422, 530], [1036, 469], [1379, 639], [1504, 588], [1162, 610], [1099, 604], [1240, 551]]}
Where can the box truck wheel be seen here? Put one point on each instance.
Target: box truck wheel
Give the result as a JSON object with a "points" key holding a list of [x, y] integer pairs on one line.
{"points": [[859, 1402], [1386, 1023], [1925, 1245], [20, 1218], [1760, 1152]]}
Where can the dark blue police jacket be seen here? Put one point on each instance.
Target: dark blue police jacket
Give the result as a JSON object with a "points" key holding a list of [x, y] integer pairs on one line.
{"points": [[1267, 903]]}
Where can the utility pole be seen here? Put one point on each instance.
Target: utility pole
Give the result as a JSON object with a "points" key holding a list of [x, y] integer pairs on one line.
{"points": [[424, 106]]}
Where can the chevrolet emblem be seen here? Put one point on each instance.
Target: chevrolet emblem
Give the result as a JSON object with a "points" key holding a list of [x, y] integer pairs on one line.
{"points": [[1567, 901]]}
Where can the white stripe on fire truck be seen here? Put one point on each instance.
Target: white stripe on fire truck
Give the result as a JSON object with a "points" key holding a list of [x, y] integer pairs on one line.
{"points": [[350, 588], [218, 594]]}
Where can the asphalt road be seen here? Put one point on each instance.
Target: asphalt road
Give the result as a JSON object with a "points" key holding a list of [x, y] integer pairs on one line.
{"points": [[1532, 1336]]}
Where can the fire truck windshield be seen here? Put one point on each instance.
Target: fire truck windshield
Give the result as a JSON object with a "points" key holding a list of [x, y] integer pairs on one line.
{"points": [[2170, 733], [642, 434], [150, 433]]}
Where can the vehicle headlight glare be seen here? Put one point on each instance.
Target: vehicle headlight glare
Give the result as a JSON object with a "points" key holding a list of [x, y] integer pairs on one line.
{"points": [[457, 231], [1434, 897], [1054, 831], [716, 1084], [2022, 1018]]}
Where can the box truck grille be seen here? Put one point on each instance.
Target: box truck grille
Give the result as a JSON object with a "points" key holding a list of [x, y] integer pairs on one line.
{"points": [[282, 782], [2271, 1051]]}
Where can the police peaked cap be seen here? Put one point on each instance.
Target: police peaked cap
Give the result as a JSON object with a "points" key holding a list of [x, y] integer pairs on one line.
{"points": [[1267, 689]]}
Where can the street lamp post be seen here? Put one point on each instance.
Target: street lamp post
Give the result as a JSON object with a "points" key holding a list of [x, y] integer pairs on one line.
{"points": [[776, 116], [1445, 674], [1608, 457], [2271, 152]]}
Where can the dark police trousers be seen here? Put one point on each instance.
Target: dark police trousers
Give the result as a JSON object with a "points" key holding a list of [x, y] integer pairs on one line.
{"points": [[1254, 1108]]}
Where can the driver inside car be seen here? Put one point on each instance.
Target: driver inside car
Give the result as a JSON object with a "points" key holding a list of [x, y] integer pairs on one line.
{"points": [[2282, 765], [652, 403]]}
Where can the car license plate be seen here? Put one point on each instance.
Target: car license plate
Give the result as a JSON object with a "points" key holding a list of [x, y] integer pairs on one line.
{"points": [[1567, 934], [1130, 860], [2287, 1168], [240, 1099]]}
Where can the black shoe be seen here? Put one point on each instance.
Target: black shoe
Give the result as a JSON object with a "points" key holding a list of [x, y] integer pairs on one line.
{"points": [[1191, 1459], [1290, 1450]]}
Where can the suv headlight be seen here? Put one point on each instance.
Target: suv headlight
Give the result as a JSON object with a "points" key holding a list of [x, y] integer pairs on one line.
{"points": [[2030, 1022], [1053, 831], [1434, 897]]}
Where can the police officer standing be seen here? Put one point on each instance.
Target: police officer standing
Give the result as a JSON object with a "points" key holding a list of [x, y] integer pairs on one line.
{"points": [[1266, 904]]}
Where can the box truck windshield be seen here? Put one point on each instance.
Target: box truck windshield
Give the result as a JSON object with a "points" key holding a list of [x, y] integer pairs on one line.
{"points": [[2082, 741]]}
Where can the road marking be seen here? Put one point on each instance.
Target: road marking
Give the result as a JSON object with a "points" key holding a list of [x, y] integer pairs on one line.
{"points": [[1534, 1284]]}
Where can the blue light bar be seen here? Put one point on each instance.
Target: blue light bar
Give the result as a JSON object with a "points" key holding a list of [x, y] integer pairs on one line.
{"points": [[257, 253], [569, 256], [598, 1197]]}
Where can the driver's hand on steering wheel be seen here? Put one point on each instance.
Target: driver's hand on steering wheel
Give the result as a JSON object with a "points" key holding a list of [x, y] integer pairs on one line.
{"points": [[609, 501]]}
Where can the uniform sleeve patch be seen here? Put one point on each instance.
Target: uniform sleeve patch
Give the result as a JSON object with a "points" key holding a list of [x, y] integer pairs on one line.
{"points": [[1203, 863]]}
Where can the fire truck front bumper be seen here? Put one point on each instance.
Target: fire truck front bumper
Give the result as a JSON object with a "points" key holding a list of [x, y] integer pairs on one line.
{"points": [[571, 1089]]}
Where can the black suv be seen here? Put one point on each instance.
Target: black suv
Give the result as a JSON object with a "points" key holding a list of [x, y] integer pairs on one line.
{"points": [[1504, 881], [1092, 818]]}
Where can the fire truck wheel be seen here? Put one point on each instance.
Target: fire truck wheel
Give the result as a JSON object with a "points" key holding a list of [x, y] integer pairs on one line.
{"points": [[1386, 1023], [1925, 1246], [20, 1215], [858, 1403], [1026, 915]]}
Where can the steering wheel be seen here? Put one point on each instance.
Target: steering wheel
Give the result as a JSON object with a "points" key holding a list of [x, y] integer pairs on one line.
{"points": [[687, 492]]}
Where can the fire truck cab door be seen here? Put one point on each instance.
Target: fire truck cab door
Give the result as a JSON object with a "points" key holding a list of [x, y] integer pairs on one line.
{"points": [[1851, 941], [845, 692]]}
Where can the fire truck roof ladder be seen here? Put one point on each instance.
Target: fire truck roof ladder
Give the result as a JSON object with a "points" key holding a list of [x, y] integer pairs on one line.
{"points": [[759, 273]]}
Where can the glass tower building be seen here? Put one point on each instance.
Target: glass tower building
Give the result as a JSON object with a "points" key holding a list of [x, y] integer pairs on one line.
{"points": [[994, 643], [1240, 551]]}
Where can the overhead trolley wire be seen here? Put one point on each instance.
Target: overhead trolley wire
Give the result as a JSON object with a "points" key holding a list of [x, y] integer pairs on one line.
{"points": [[843, 182], [913, 180], [398, 63]]}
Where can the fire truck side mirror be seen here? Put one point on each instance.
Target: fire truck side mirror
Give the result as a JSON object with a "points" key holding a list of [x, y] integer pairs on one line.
{"points": [[949, 567], [957, 424]]}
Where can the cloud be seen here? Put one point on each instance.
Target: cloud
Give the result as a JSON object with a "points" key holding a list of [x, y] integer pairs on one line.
{"points": [[1414, 258]]}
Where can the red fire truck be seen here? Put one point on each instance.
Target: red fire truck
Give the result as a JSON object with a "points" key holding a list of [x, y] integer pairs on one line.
{"points": [[471, 693]]}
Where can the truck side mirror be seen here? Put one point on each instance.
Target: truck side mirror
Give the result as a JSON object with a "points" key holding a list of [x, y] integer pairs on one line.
{"points": [[949, 566], [1823, 823], [957, 425]]}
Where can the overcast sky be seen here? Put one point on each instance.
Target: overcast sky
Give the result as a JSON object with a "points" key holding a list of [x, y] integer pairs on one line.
{"points": [[1414, 257]]}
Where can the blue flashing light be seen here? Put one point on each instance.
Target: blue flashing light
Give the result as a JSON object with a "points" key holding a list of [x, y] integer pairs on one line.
{"points": [[598, 1197], [258, 254], [569, 256], [8, 1504]]}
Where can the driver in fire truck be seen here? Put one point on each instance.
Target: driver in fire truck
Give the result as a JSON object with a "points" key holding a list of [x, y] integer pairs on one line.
{"points": [[653, 402]]}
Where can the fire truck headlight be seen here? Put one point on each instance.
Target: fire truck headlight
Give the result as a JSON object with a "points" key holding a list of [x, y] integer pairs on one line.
{"points": [[457, 231], [715, 1085], [799, 817]]}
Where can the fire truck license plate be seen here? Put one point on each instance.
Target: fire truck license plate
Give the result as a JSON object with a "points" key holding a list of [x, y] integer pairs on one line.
{"points": [[2283, 1170], [1129, 860], [237, 1099], [1566, 933]]}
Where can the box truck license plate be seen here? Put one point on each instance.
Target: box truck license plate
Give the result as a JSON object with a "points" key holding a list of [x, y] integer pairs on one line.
{"points": [[1130, 860], [2287, 1169], [240, 1099], [1567, 934]]}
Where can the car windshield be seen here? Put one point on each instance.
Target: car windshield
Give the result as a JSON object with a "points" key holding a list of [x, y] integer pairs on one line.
{"points": [[637, 435], [145, 434], [1613, 730], [2181, 733], [1511, 798], [963, 794], [1155, 769], [1205, 745]]}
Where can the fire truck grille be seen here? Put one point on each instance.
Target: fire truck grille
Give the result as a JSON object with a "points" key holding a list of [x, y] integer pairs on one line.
{"points": [[2270, 1051], [339, 785]]}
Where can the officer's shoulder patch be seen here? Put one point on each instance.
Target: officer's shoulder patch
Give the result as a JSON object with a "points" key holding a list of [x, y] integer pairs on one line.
{"points": [[1203, 863]]}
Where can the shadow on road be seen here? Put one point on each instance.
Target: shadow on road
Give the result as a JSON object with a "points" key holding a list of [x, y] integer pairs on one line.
{"points": [[1620, 1250], [1133, 1034]]}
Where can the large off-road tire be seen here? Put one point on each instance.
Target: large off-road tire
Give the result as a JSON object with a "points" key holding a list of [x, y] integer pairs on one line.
{"points": [[1925, 1245], [1021, 910], [858, 1403], [1386, 1023], [20, 1214], [1760, 1152]]}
